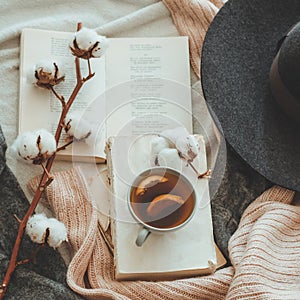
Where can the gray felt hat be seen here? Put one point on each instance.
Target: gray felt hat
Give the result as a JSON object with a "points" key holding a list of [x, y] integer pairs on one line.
{"points": [[238, 51]]}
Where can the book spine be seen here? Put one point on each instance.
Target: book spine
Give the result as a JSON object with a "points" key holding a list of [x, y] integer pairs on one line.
{"points": [[110, 178]]}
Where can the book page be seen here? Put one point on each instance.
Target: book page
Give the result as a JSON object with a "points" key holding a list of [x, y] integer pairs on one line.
{"points": [[148, 85], [38, 107]]}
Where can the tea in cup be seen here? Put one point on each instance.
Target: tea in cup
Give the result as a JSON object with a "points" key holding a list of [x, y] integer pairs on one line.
{"points": [[162, 200]]}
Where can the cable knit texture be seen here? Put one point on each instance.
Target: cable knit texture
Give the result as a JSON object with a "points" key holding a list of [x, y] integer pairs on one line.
{"points": [[264, 251], [192, 18]]}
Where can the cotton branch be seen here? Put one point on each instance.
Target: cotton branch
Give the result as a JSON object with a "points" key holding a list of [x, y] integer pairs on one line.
{"points": [[175, 144], [59, 97], [44, 181], [63, 147]]}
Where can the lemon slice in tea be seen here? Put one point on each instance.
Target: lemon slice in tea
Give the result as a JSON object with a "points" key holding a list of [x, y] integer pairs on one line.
{"points": [[149, 182], [164, 202]]}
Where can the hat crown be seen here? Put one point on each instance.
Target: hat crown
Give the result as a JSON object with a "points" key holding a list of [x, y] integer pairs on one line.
{"points": [[289, 61]]}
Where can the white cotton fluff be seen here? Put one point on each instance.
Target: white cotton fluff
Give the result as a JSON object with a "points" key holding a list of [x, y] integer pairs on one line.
{"points": [[87, 38], [58, 233], [29, 145], [47, 141], [30, 75], [25, 146], [77, 126], [187, 146], [49, 67], [173, 134], [158, 143], [36, 229], [169, 157], [101, 46]]}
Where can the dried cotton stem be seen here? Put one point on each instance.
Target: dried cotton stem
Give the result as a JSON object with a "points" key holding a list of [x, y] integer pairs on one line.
{"points": [[44, 179]]}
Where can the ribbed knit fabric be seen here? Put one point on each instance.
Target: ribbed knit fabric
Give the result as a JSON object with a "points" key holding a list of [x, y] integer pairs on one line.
{"points": [[192, 18], [264, 251]]}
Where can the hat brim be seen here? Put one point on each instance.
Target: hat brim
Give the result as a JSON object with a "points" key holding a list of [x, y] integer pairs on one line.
{"points": [[237, 55]]}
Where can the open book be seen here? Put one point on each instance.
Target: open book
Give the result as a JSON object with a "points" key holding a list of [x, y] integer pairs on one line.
{"points": [[189, 251], [135, 82]]}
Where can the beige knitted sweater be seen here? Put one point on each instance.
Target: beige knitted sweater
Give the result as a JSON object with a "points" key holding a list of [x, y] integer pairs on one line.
{"points": [[264, 251]]}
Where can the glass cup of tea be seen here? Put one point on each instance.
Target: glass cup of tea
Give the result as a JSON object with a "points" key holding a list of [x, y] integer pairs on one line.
{"points": [[161, 199]]}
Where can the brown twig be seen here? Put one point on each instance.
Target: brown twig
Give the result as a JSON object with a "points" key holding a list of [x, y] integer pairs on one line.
{"points": [[49, 180], [89, 66], [88, 77], [91, 74], [33, 255], [17, 218], [37, 249], [59, 97], [44, 181], [50, 176], [205, 174], [63, 147]]}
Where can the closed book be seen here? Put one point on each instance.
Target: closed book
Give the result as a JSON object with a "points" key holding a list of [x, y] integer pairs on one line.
{"points": [[189, 251]]}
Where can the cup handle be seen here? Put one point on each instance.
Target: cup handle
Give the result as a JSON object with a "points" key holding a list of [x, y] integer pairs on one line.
{"points": [[142, 236]]}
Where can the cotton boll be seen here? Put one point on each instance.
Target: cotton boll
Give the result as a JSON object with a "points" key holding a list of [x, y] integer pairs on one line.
{"points": [[101, 47], [77, 127], [169, 157], [25, 146], [158, 143], [47, 143], [71, 121], [36, 228], [87, 44], [86, 38], [174, 134], [95, 137], [187, 147], [58, 233], [35, 146], [48, 74]]}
